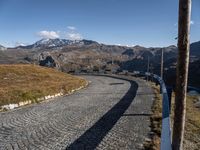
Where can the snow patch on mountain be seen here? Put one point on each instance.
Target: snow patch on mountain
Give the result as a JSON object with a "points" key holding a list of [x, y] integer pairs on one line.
{"points": [[56, 43]]}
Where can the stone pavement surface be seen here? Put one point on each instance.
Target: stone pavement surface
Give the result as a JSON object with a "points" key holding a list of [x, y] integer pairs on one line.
{"points": [[110, 113]]}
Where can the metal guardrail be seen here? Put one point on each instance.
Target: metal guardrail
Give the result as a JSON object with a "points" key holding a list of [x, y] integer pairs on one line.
{"points": [[166, 143], [166, 129]]}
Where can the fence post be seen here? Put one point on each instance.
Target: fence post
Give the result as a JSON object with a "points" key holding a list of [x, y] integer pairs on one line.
{"points": [[182, 74]]}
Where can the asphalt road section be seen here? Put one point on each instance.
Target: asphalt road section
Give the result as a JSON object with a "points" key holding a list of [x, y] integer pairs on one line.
{"points": [[110, 113]]}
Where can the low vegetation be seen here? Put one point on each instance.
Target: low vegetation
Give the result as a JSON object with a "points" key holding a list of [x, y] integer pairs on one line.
{"points": [[29, 82], [156, 121], [192, 126], [192, 135]]}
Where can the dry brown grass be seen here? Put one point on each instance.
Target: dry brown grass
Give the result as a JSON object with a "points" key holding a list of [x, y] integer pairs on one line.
{"points": [[156, 120], [29, 82], [192, 132], [192, 125]]}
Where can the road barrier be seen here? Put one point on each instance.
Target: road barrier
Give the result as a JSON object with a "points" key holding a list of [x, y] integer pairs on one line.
{"points": [[166, 129]]}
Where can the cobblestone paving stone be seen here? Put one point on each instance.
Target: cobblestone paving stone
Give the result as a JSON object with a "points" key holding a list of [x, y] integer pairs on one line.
{"points": [[109, 114]]}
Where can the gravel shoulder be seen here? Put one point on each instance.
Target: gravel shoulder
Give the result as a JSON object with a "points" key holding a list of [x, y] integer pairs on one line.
{"points": [[110, 113]]}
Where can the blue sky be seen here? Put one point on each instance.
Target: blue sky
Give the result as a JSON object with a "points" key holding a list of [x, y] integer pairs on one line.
{"points": [[125, 22]]}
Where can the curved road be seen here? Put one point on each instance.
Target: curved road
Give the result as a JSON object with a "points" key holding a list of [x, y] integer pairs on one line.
{"points": [[109, 114]]}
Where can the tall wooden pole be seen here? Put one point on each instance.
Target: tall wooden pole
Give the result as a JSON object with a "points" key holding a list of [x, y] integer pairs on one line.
{"points": [[148, 64], [148, 68], [182, 73], [161, 66]]}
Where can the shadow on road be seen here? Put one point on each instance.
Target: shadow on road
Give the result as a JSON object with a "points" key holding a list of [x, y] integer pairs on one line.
{"points": [[137, 115], [94, 135], [116, 83]]}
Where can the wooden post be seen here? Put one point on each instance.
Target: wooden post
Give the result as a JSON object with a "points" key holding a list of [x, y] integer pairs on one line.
{"points": [[148, 68], [181, 74], [161, 65], [148, 65]]}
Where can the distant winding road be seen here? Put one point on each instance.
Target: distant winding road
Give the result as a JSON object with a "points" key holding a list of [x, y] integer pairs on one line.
{"points": [[110, 113]]}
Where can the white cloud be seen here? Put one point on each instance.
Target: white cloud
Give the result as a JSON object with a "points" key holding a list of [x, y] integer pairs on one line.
{"points": [[71, 34], [48, 34], [71, 28], [74, 36]]}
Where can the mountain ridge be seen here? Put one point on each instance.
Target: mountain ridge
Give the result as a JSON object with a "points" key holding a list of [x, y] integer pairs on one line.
{"points": [[59, 42], [55, 43], [88, 55]]}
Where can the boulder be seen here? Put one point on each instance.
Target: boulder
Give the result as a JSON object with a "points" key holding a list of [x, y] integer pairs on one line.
{"points": [[47, 60]]}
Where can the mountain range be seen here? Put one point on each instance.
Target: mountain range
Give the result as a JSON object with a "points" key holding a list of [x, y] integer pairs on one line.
{"points": [[68, 55], [55, 43]]}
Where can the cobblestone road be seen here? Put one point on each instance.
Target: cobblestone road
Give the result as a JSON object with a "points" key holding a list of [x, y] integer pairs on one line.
{"points": [[109, 114]]}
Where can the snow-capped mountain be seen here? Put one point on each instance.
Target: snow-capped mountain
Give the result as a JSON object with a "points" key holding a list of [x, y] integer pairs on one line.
{"points": [[56, 43], [52, 43]]}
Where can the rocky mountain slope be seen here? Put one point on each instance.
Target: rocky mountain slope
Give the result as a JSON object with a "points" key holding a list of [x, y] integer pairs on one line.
{"points": [[68, 56]]}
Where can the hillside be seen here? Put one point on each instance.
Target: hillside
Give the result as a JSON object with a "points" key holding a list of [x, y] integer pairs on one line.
{"points": [[29, 82], [76, 55], [70, 56]]}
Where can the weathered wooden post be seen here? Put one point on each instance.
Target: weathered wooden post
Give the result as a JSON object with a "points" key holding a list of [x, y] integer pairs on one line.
{"points": [[161, 65], [182, 73], [161, 68], [148, 67]]}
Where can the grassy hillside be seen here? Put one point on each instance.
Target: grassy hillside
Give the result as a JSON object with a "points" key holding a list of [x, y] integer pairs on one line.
{"points": [[29, 82]]}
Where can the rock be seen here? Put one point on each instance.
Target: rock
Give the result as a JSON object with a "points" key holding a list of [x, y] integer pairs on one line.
{"points": [[47, 60]]}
